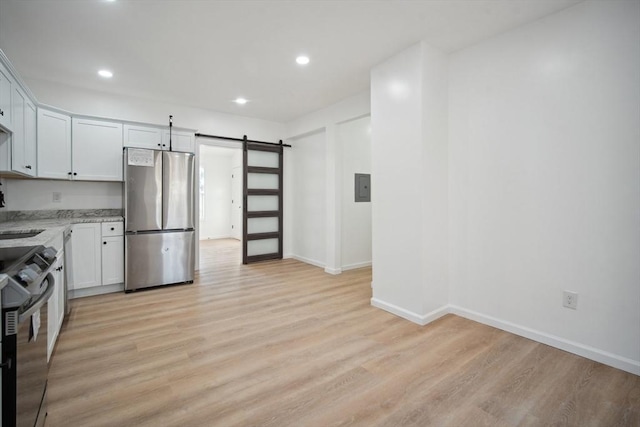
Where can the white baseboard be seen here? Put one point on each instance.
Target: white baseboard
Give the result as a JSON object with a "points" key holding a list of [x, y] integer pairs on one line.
{"points": [[619, 362], [604, 357], [420, 319], [356, 265], [96, 290], [308, 261], [333, 271], [214, 237]]}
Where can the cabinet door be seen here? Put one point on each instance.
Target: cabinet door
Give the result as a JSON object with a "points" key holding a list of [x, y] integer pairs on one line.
{"points": [[62, 301], [180, 141], [143, 137], [5, 98], [18, 161], [30, 142], [23, 140], [53, 308], [112, 260], [96, 150], [86, 256], [54, 145]]}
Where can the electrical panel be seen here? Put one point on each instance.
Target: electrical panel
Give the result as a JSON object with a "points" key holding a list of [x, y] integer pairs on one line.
{"points": [[363, 187]]}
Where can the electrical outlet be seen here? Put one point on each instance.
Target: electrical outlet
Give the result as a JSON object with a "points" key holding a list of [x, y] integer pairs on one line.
{"points": [[57, 197], [570, 299]]}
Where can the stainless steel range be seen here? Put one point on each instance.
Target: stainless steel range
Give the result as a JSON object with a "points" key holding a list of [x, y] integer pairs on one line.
{"points": [[24, 333]]}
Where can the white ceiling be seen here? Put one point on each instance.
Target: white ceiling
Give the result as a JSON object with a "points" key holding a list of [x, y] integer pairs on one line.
{"points": [[206, 53]]}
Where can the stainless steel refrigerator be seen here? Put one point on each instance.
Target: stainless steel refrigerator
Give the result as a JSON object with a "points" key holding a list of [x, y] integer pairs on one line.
{"points": [[159, 218]]}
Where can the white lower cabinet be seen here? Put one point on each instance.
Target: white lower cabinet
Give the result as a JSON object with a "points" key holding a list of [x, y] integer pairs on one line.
{"points": [[86, 243], [98, 255], [112, 260]]}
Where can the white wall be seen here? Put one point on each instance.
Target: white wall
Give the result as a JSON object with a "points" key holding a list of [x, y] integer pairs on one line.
{"points": [[31, 194], [409, 183], [354, 142], [217, 163], [350, 108], [326, 122], [435, 179], [545, 180], [124, 107], [308, 207]]}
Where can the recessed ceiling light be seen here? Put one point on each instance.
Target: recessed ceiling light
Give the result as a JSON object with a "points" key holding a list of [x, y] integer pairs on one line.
{"points": [[302, 60], [105, 73], [240, 101]]}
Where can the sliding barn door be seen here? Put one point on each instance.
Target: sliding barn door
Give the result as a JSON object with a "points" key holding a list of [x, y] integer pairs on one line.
{"points": [[262, 207]]}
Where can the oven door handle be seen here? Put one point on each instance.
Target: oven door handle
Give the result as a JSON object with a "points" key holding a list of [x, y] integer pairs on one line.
{"points": [[42, 299]]}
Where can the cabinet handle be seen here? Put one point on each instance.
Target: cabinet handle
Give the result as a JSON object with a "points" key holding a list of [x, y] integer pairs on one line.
{"points": [[158, 145], [75, 173], [70, 173], [28, 167], [112, 228], [104, 243], [1, 113]]}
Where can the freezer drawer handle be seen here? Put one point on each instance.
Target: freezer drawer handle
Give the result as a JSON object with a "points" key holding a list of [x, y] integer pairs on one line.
{"points": [[6, 365]]}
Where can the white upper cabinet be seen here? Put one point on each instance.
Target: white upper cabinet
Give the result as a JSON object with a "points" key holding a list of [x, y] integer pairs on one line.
{"points": [[54, 145], [96, 150], [180, 141], [5, 98], [23, 139], [31, 136], [156, 138], [143, 137]]}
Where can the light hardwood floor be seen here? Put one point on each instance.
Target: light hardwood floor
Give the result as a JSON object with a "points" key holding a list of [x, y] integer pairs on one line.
{"points": [[281, 343]]}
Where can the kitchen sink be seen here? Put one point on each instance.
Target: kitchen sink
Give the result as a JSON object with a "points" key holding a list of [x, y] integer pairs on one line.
{"points": [[19, 234]]}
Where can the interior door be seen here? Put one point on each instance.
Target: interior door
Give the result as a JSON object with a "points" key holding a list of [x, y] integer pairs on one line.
{"points": [[262, 202]]}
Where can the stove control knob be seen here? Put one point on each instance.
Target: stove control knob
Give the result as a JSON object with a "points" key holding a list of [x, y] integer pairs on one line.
{"points": [[49, 254], [27, 275]]}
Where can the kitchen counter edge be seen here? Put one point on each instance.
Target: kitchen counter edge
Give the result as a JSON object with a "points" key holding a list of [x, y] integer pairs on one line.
{"points": [[52, 228]]}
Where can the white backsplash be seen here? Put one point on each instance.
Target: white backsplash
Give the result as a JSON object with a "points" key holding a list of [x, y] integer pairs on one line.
{"points": [[37, 194]]}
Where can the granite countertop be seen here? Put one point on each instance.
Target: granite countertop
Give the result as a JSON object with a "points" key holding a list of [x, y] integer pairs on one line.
{"points": [[50, 227]]}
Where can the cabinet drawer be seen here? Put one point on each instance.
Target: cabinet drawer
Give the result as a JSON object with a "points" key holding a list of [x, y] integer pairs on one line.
{"points": [[112, 229]]}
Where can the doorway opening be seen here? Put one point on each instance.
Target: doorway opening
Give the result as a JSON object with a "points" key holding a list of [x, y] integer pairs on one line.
{"points": [[220, 205]]}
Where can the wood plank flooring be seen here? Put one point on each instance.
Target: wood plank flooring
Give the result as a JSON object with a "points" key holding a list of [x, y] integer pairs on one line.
{"points": [[281, 343]]}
